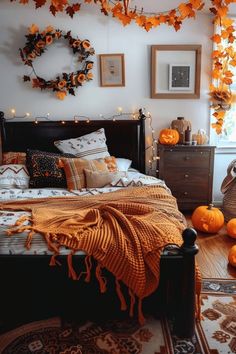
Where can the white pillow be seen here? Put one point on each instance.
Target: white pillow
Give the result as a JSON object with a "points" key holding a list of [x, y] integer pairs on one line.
{"points": [[90, 146], [123, 164], [14, 176]]}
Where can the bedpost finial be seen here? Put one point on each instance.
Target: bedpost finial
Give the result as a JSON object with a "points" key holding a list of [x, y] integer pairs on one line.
{"points": [[141, 114], [189, 236]]}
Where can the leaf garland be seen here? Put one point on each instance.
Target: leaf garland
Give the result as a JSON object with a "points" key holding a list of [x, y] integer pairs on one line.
{"points": [[121, 10], [224, 59], [36, 45]]}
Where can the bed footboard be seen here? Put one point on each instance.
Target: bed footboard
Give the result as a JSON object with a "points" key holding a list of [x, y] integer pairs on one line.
{"points": [[33, 290]]}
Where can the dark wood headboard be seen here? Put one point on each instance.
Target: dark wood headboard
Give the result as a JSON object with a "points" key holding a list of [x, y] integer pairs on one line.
{"points": [[125, 138]]}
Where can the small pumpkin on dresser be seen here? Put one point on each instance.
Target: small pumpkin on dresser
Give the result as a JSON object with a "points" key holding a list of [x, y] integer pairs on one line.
{"points": [[207, 219], [231, 228], [168, 136], [201, 138], [232, 256]]}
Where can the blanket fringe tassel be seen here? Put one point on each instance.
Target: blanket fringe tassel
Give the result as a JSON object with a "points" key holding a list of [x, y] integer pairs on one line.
{"points": [[100, 278], [121, 296], [71, 272]]}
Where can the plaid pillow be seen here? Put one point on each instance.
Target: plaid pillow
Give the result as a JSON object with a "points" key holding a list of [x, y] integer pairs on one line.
{"points": [[44, 170], [74, 170]]}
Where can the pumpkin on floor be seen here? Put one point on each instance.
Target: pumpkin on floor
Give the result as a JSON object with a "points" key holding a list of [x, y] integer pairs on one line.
{"points": [[168, 136], [231, 228], [232, 256], [207, 219]]}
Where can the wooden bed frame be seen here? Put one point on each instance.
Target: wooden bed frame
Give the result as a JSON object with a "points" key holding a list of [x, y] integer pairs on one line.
{"points": [[35, 290]]}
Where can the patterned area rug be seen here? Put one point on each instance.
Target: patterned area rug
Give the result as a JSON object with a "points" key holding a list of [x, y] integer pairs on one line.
{"points": [[215, 334]]}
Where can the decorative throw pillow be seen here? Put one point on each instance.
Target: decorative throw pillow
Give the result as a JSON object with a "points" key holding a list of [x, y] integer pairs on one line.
{"points": [[16, 158], [123, 164], [44, 170], [100, 179], [90, 146], [14, 176], [74, 170]]}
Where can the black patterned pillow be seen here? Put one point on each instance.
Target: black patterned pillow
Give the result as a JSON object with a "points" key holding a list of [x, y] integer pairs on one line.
{"points": [[43, 169]]}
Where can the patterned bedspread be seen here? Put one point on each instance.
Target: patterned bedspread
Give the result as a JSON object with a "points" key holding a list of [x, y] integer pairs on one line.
{"points": [[15, 244]]}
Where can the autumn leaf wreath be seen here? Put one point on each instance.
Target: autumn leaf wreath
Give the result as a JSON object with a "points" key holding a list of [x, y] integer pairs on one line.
{"points": [[66, 83]]}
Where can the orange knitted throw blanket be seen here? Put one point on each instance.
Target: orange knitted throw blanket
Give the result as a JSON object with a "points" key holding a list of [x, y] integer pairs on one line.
{"points": [[125, 231]]}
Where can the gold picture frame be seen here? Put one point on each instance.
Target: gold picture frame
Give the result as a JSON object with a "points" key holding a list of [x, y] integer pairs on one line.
{"points": [[112, 70], [175, 71]]}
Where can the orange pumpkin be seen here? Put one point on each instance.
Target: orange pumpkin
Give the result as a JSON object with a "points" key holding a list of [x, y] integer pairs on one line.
{"points": [[231, 228], [168, 136], [232, 256], [207, 219]]}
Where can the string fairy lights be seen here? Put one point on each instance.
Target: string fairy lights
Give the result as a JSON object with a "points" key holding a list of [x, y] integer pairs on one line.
{"points": [[151, 141]]}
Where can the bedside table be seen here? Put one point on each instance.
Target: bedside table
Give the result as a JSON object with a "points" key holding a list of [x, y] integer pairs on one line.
{"points": [[188, 171]]}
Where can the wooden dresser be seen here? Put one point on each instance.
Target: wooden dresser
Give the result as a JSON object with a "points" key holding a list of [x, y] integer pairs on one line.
{"points": [[188, 172]]}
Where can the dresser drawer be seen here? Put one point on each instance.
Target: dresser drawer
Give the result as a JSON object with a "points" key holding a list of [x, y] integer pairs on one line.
{"points": [[186, 192], [176, 176], [187, 159]]}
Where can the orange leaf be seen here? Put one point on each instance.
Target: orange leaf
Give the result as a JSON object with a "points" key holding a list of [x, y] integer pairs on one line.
{"points": [[215, 53], [217, 127], [196, 3], [215, 74], [154, 21], [40, 3], [231, 39], [222, 11], [216, 38], [219, 115], [184, 10], [162, 18], [226, 21], [232, 62], [125, 19], [224, 34], [227, 81], [229, 73], [177, 25], [147, 25], [24, 1], [140, 20]]}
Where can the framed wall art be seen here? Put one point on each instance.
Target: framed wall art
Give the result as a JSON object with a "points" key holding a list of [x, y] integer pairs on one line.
{"points": [[112, 70], [175, 71]]}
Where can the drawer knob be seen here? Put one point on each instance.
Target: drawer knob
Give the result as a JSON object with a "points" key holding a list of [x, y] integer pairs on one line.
{"points": [[186, 176], [185, 193], [187, 158]]}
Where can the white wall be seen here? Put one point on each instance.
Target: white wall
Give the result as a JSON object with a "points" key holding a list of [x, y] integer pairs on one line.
{"points": [[106, 36]]}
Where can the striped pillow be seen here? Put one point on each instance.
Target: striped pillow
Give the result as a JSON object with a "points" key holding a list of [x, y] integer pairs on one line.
{"points": [[14, 176], [90, 146], [74, 171]]}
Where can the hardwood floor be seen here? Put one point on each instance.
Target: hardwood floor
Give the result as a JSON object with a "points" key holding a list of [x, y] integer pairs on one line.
{"points": [[212, 257]]}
